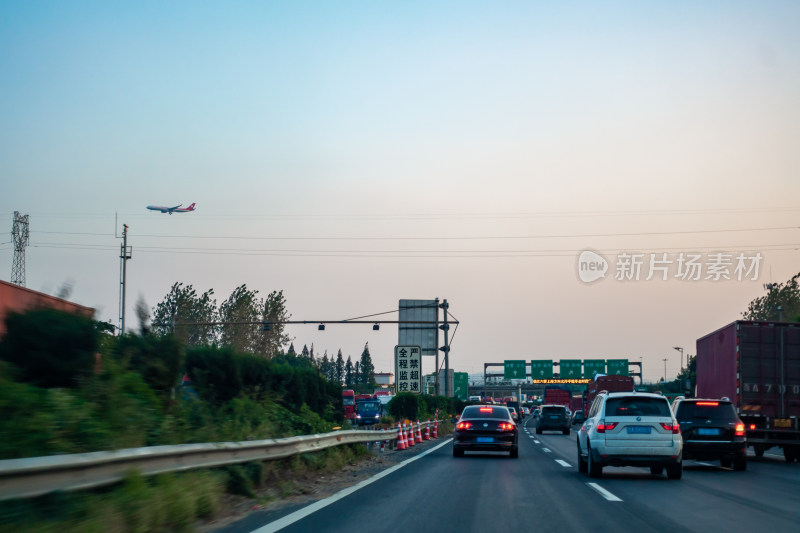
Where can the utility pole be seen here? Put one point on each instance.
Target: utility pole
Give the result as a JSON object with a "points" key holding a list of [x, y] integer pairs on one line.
{"points": [[446, 349], [21, 236], [125, 254], [665, 370]]}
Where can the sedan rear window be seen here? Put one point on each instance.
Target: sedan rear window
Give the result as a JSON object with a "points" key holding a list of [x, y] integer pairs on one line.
{"points": [[485, 411], [716, 411], [637, 406]]}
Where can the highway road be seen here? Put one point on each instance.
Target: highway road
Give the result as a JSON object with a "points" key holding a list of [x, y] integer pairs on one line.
{"points": [[543, 491]]}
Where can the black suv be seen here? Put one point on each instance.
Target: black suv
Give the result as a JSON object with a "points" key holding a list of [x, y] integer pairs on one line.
{"points": [[711, 430], [553, 417]]}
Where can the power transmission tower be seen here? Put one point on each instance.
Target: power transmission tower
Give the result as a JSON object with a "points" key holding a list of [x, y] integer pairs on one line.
{"points": [[21, 237]]}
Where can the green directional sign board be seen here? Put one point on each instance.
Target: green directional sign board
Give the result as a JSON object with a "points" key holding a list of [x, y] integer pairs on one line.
{"points": [[513, 369], [593, 366], [617, 367], [570, 368], [461, 385], [542, 369]]}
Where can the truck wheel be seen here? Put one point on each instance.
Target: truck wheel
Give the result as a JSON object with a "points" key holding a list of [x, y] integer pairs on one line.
{"points": [[758, 451], [595, 470], [790, 453]]}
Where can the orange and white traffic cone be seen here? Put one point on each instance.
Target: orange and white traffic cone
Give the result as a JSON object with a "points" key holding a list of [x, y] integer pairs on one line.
{"points": [[418, 436], [427, 435], [436, 425], [410, 436], [401, 440]]}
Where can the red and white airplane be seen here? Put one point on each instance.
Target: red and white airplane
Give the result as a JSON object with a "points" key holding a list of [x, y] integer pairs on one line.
{"points": [[171, 210]]}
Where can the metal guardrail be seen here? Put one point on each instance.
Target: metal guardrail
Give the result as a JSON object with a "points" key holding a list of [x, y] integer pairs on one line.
{"points": [[35, 476]]}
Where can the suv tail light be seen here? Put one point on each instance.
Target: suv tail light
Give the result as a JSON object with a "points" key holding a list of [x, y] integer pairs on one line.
{"points": [[505, 426], [464, 425], [739, 430], [603, 427], [674, 428]]}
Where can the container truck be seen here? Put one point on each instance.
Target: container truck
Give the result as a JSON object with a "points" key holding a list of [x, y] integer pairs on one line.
{"points": [[757, 366], [349, 402], [558, 395], [607, 383]]}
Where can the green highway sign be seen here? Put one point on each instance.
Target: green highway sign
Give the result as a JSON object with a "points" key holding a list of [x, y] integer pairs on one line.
{"points": [[514, 369], [617, 367], [593, 366], [461, 385], [542, 369], [570, 368]]}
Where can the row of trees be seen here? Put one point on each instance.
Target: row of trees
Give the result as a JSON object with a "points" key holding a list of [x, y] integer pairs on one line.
{"points": [[337, 370]]}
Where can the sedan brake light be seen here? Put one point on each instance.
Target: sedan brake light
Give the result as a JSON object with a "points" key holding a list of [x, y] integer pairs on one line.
{"points": [[708, 403], [464, 425], [675, 428], [739, 430], [485, 409], [505, 426], [602, 428]]}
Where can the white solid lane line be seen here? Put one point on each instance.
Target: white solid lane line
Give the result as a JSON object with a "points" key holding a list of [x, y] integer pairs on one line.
{"points": [[563, 463], [604, 493], [314, 507]]}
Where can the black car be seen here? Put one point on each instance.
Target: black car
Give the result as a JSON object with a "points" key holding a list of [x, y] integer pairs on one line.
{"points": [[553, 417], [711, 431], [577, 417], [485, 428]]}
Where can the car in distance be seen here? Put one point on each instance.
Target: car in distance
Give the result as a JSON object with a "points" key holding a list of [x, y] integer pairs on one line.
{"points": [[486, 428], [577, 417], [553, 417], [711, 431], [630, 429], [514, 414]]}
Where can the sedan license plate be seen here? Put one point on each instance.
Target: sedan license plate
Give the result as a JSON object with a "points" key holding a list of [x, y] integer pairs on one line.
{"points": [[643, 430], [484, 439], [707, 431]]}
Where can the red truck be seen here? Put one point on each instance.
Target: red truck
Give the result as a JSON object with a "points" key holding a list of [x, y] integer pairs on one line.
{"points": [[349, 401], [576, 403], [757, 366], [607, 383], [558, 395]]}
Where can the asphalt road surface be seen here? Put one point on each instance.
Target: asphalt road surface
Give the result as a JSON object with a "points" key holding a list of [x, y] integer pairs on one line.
{"points": [[543, 491]]}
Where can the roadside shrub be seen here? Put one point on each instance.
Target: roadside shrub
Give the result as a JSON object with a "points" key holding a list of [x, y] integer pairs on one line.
{"points": [[157, 359], [51, 348]]}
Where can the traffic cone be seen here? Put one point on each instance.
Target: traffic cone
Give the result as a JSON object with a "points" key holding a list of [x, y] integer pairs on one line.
{"points": [[436, 425], [427, 435], [401, 440], [418, 436], [410, 439]]}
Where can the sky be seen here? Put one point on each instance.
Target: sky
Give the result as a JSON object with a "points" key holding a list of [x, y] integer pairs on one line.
{"points": [[353, 154]]}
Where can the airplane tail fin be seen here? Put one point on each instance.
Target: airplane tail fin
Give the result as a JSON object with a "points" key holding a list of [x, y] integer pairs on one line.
{"points": [[191, 207]]}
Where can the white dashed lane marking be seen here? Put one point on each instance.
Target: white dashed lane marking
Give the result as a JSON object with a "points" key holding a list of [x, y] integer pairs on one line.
{"points": [[546, 450], [563, 463], [604, 493]]}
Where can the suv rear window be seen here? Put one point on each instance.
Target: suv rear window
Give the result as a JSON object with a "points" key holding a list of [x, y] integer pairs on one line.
{"points": [[637, 406], [554, 410], [721, 412], [485, 411]]}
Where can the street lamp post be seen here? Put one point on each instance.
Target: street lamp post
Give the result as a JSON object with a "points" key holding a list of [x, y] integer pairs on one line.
{"points": [[665, 371], [680, 350]]}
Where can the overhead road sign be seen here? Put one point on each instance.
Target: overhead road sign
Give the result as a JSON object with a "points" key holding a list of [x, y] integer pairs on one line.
{"points": [[514, 369], [570, 369], [542, 369], [593, 366], [617, 367]]}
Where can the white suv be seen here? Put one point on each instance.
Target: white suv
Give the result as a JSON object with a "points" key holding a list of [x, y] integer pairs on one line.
{"points": [[630, 429]]}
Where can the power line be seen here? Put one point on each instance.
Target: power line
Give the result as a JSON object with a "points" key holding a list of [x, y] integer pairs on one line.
{"points": [[463, 238]]}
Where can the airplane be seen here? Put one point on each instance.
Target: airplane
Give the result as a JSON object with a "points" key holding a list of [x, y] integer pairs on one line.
{"points": [[170, 210]]}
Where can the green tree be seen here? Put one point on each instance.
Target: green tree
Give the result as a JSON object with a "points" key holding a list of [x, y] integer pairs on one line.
{"points": [[51, 348], [781, 302], [367, 369], [239, 315], [339, 368], [348, 373], [157, 359], [191, 313], [273, 310]]}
